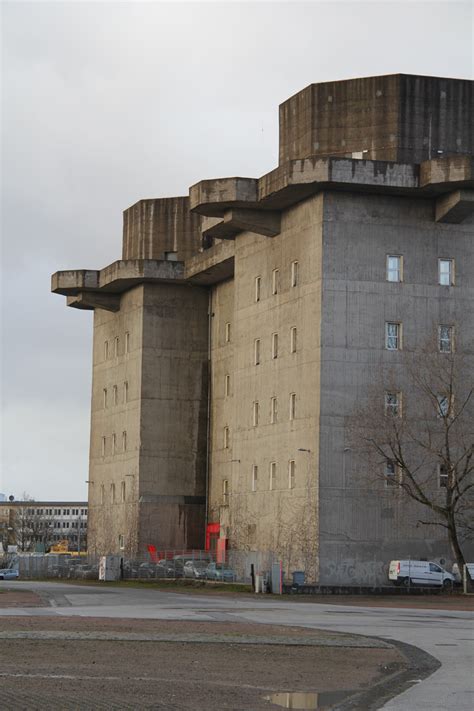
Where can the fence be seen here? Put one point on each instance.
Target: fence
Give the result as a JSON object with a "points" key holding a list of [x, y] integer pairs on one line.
{"points": [[173, 564]]}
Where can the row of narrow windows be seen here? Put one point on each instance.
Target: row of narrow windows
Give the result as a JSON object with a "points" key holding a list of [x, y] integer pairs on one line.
{"points": [[395, 269], [256, 411], [394, 337], [113, 493], [272, 483], [112, 348], [113, 444], [394, 404], [394, 475], [294, 280], [115, 395], [57, 512]]}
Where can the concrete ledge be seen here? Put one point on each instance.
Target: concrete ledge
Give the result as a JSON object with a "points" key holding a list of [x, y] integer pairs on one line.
{"points": [[74, 280], [214, 197], [261, 222], [212, 265], [447, 172], [90, 300], [454, 207]]}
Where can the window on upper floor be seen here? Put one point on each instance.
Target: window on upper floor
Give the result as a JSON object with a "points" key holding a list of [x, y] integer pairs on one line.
{"points": [[274, 345], [294, 273], [225, 491], [227, 332], [254, 477], [127, 342], [114, 443], [125, 391], [393, 336], [273, 470], [394, 267], [273, 410], [171, 256], [112, 493], [124, 441], [102, 446], [444, 405], [106, 350], [275, 281], [102, 493], [443, 476], [291, 474], [445, 339], [227, 385], [255, 413], [292, 406], [256, 351], [446, 272], [258, 288], [393, 404], [121, 542], [293, 339], [116, 346], [226, 438], [390, 473], [122, 492], [114, 394], [104, 397]]}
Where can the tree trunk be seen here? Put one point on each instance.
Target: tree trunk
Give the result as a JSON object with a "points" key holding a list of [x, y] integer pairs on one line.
{"points": [[454, 543]]}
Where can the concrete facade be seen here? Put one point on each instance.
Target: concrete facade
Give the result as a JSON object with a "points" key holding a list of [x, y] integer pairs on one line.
{"points": [[250, 321]]}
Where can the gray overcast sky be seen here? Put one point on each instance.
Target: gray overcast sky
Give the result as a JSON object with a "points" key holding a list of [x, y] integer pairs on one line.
{"points": [[106, 103]]}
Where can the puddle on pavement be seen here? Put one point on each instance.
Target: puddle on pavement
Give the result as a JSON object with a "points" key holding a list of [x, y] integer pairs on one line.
{"points": [[307, 700]]}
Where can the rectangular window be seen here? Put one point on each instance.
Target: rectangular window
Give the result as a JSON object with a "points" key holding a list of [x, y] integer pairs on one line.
{"points": [[254, 477], [103, 446], [114, 392], [273, 410], [121, 542], [104, 397], [292, 406], [227, 332], [226, 437], [227, 386], [275, 281], [390, 473], [294, 273], [114, 443], [444, 406], [171, 256], [106, 350], [122, 492], [393, 404], [124, 441], [125, 391], [445, 339], [442, 477], [102, 493], [291, 473], [393, 339], [112, 493], [258, 286], [293, 339], [446, 272], [256, 353], [116, 346], [274, 345], [273, 468], [127, 342], [394, 268], [225, 491], [255, 413]]}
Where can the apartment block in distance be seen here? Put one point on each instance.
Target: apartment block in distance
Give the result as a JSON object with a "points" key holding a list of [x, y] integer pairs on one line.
{"points": [[244, 323]]}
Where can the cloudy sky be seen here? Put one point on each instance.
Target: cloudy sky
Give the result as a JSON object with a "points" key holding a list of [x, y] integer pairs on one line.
{"points": [[104, 103]]}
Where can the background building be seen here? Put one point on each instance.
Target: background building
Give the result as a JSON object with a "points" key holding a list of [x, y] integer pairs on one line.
{"points": [[37, 525], [243, 326]]}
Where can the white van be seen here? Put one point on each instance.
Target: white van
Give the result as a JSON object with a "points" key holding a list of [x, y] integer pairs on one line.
{"points": [[419, 572]]}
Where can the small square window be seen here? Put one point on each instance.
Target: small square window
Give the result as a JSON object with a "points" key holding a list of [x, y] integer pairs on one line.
{"points": [[292, 406], [393, 404], [275, 281], [255, 413], [258, 285], [393, 340], [227, 386], [273, 469], [294, 273], [254, 477], [256, 348], [293, 339], [394, 268], [227, 332], [291, 473], [273, 410], [445, 339], [446, 272], [274, 345], [226, 437]]}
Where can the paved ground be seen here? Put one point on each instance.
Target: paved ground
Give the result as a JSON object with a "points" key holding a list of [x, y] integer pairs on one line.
{"points": [[445, 634]]}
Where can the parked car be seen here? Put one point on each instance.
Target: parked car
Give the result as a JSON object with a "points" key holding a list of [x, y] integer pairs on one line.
{"points": [[419, 572], [195, 569], [9, 574], [151, 570], [173, 568], [220, 571]]}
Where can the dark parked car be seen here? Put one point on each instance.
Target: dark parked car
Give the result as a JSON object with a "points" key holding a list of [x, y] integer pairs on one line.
{"points": [[8, 574], [220, 571]]}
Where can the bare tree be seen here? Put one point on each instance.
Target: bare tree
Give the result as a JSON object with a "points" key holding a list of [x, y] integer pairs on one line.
{"points": [[416, 432]]}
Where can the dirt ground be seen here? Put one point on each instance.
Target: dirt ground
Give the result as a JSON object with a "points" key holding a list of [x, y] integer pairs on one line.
{"points": [[75, 673]]}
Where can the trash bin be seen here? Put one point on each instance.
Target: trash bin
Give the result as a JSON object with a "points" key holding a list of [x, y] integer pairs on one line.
{"points": [[298, 577]]}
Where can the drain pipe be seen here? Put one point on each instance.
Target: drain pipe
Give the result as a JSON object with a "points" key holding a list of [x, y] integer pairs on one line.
{"points": [[208, 428]]}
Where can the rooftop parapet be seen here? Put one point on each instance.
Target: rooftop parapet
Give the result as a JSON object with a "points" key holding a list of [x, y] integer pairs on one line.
{"points": [[400, 117]]}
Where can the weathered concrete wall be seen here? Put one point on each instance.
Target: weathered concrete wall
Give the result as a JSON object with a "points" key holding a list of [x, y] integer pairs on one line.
{"points": [[159, 225], [398, 117], [363, 525], [282, 519]]}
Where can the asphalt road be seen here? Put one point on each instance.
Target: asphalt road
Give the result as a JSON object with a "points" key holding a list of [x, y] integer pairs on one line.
{"points": [[447, 635]]}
